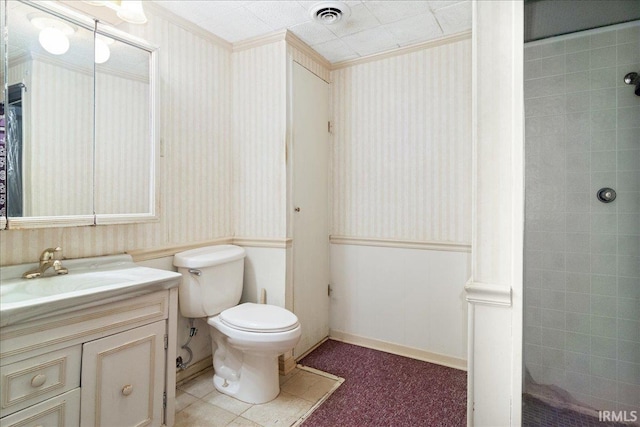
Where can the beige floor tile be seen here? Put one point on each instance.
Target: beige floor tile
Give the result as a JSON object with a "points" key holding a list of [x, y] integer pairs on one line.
{"points": [[242, 422], [285, 378], [227, 403], [183, 400], [202, 414], [199, 386], [308, 386], [285, 410]]}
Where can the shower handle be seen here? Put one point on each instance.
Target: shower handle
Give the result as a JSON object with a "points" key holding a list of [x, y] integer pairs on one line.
{"points": [[606, 195]]}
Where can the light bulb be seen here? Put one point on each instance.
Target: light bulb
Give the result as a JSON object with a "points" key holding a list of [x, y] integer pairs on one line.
{"points": [[132, 11], [53, 40], [102, 52]]}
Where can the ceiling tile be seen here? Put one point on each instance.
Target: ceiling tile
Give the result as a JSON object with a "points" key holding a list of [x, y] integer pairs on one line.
{"points": [[370, 41], [361, 19], [387, 11], [455, 18], [199, 11], [415, 29], [279, 14], [313, 33], [437, 4], [237, 25], [335, 50], [308, 4]]}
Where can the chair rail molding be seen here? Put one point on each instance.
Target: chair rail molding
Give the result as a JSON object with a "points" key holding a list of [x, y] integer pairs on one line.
{"points": [[488, 294]]}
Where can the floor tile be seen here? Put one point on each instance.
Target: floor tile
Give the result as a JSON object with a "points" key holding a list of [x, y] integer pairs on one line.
{"points": [[199, 386], [285, 410], [227, 403], [203, 414], [184, 399], [243, 422], [308, 386], [199, 404]]}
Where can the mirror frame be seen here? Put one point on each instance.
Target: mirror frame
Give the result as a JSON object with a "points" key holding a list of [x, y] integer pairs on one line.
{"points": [[100, 27]]}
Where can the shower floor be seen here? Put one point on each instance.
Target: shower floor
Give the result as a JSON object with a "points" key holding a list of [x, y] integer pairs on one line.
{"points": [[538, 413]]}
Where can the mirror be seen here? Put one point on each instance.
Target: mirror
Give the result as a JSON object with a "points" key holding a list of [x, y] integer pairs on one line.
{"points": [[122, 82], [79, 120]]}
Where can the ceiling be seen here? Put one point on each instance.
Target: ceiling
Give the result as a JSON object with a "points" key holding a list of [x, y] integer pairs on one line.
{"points": [[373, 27]]}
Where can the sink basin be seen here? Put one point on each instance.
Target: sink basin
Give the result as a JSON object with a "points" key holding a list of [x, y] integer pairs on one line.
{"points": [[89, 280]]}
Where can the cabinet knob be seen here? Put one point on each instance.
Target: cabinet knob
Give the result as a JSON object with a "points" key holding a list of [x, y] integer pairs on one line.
{"points": [[38, 380], [127, 390], [297, 209]]}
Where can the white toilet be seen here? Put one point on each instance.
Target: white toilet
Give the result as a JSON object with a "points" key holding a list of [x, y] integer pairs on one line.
{"points": [[246, 339]]}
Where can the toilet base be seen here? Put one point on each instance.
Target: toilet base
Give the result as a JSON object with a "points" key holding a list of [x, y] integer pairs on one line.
{"points": [[258, 380], [244, 375]]}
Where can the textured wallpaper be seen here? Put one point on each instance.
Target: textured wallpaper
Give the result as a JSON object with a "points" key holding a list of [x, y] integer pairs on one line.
{"points": [[402, 146]]}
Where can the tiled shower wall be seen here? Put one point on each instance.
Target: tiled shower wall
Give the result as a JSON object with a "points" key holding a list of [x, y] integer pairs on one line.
{"points": [[582, 260]]}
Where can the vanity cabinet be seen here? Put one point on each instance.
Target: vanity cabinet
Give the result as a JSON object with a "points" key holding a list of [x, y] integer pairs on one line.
{"points": [[101, 364]]}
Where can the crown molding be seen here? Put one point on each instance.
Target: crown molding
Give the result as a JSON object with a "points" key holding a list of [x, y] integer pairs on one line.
{"points": [[161, 12], [253, 42], [297, 43], [465, 35]]}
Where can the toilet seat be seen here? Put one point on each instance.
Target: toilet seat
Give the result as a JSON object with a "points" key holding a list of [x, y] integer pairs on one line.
{"points": [[252, 317]]}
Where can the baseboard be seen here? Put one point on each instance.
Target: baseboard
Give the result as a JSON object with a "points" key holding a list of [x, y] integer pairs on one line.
{"points": [[400, 350], [303, 355], [193, 370]]}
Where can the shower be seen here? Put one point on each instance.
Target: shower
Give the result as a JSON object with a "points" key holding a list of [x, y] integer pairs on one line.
{"points": [[581, 352], [633, 79]]}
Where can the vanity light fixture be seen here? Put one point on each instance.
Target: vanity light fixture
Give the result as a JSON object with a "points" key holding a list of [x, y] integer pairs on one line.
{"points": [[127, 10], [102, 51], [54, 34]]}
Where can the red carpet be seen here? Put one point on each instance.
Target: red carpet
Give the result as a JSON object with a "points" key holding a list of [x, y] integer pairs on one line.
{"points": [[382, 389]]}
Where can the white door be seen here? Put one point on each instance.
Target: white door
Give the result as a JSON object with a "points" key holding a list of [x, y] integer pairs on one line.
{"points": [[310, 117]]}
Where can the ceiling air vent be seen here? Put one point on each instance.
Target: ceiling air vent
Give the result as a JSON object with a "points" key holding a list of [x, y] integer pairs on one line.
{"points": [[329, 12]]}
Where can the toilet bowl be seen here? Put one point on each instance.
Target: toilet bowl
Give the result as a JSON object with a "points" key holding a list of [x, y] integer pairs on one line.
{"points": [[246, 339], [243, 342]]}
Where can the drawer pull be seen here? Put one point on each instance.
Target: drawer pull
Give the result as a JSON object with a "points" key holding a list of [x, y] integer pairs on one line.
{"points": [[38, 380], [127, 390]]}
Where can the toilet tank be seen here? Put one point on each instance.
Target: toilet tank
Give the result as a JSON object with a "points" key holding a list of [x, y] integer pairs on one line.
{"points": [[211, 279]]}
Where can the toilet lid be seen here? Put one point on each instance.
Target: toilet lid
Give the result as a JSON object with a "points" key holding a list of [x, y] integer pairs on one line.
{"points": [[259, 318]]}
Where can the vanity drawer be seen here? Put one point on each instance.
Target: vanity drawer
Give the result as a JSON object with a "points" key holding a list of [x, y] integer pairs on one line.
{"points": [[38, 378], [59, 411]]}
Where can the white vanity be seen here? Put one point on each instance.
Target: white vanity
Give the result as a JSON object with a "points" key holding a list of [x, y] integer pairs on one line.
{"points": [[94, 347]]}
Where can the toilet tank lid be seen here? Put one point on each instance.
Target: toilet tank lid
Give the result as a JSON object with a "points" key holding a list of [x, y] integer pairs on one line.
{"points": [[208, 256]]}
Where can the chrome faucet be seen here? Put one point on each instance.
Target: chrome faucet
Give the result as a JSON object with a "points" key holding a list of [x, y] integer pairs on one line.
{"points": [[47, 260]]}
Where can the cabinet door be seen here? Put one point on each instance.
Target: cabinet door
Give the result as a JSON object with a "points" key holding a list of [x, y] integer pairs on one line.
{"points": [[123, 379]]}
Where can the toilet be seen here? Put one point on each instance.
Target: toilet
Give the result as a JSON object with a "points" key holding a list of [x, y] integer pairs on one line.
{"points": [[246, 339]]}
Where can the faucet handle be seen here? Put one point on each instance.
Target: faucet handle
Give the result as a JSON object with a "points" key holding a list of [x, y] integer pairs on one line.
{"points": [[49, 253], [59, 269]]}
